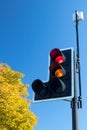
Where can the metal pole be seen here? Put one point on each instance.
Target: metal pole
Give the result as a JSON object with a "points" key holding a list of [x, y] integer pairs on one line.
{"points": [[74, 104], [78, 61]]}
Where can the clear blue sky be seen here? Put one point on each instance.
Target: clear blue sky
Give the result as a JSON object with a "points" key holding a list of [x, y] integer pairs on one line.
{"points": [[29, 29]]}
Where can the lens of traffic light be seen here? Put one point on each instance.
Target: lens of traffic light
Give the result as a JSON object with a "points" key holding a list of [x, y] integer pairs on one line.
{"points": [[57, 85], [57, 55], [59, 73], [57, 70], [39, 87], [59, 59]]}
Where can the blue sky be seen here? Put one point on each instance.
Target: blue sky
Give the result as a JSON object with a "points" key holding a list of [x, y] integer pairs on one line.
{"points": [[29, 29]]}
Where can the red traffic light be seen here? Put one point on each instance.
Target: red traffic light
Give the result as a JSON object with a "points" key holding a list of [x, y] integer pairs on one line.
{"points": [[57, 58], [61, 77], [57, 55]]}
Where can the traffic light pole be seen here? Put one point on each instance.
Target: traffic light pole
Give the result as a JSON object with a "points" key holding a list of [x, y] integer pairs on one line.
{"points": [[76, 101], [78, 62], [74, 104]]}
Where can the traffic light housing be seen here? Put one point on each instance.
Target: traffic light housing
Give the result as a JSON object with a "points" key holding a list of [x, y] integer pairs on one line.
{"points": [[61, 77]]}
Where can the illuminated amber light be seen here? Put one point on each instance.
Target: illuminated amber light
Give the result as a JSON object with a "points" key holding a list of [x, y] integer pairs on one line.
{"points": [[59, 73]]}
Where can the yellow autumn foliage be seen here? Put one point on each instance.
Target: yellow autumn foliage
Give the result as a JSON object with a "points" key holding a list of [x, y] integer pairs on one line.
{"points": [[14, 104]]}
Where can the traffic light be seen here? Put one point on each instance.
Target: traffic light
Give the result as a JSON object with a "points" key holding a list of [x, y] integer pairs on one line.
{"points": [[61, 80]]}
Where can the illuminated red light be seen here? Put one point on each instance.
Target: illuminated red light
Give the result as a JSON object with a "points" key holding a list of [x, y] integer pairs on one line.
{"points": [[57, 56], [59, 59]]}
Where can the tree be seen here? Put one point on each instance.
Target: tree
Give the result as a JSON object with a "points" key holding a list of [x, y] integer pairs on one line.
{"points": [[14, 103]]}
